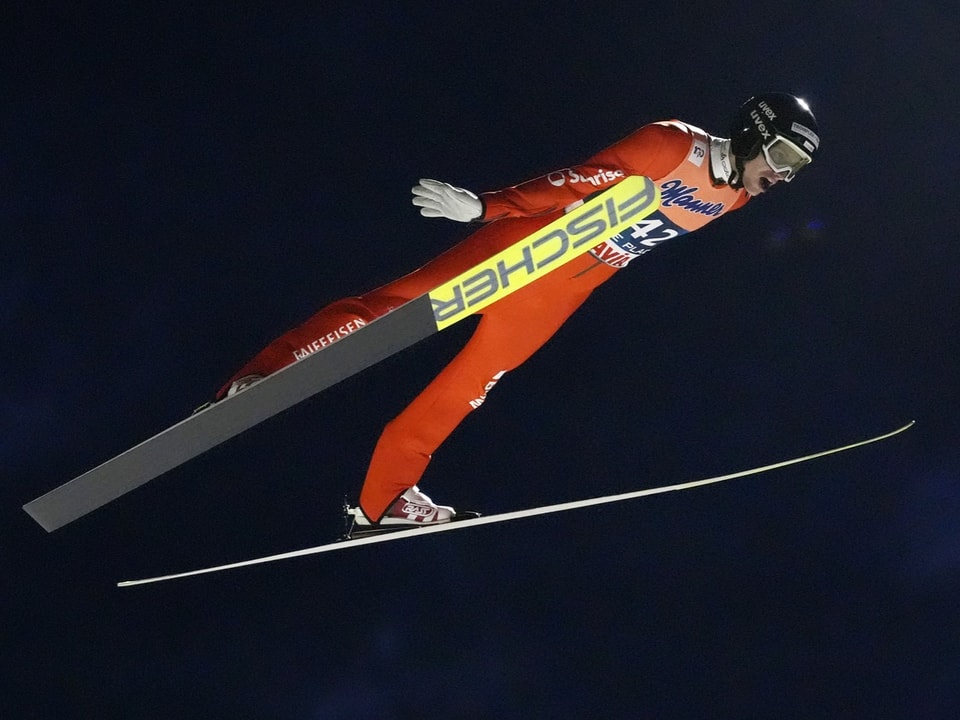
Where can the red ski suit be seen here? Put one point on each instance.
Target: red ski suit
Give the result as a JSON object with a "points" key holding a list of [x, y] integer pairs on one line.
{"points": [[690, 168]]}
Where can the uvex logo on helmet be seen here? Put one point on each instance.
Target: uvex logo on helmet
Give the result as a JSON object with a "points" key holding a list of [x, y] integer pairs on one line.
{"points": [[760, 114]]}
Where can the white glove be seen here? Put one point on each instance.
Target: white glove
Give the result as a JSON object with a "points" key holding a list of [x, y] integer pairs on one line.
{"points": [[439, 199]]}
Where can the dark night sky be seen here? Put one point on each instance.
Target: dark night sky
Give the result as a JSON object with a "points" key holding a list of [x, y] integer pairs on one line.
{"points": [[180, 185]]}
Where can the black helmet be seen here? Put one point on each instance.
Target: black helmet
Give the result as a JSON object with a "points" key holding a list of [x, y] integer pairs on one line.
{"points": [[779, 125]]}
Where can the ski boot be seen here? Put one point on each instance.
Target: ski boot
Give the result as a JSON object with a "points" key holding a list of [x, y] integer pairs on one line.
{"points": [[411, 509]]}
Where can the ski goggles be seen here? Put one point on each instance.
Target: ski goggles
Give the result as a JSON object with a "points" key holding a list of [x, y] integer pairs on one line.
{"points": [[785, 157]]}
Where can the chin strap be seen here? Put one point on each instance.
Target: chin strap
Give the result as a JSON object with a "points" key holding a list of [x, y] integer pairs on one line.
{"points": [[736, 174]]}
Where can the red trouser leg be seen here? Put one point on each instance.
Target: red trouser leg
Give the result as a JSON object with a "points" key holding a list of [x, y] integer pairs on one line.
{"points": [[344, 316], [329, 325], [509, 332]]}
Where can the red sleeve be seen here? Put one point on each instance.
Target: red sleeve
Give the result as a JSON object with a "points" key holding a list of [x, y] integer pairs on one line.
{"points": [[653, 151]]}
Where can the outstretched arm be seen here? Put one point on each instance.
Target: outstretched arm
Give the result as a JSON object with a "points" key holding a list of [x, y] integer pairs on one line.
{"points": [[651, 151]]}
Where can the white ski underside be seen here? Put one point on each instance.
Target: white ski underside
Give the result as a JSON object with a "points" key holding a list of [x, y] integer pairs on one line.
{"points": [[517, 515]]}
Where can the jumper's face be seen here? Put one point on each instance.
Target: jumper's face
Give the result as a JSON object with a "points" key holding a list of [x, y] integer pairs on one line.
{"points": [[758, 176]]}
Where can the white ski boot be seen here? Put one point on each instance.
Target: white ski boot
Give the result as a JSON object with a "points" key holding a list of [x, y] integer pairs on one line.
{"points": [[412, 508]]}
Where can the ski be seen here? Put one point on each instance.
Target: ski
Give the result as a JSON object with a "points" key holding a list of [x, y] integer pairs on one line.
{"points": [[601, 218], [476, 521]]}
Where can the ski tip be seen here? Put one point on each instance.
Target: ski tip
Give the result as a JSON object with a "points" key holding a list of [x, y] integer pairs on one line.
{"points": [[909, 425]]}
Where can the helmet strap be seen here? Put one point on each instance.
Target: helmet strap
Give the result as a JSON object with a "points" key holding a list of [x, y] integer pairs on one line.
{"points": [[736, 175]]}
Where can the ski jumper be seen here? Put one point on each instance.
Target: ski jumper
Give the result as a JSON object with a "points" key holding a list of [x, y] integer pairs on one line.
{"points": [[689, 166]]}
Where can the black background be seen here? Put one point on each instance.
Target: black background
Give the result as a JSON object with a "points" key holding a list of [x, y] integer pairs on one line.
{"points": [[181, 182]]}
